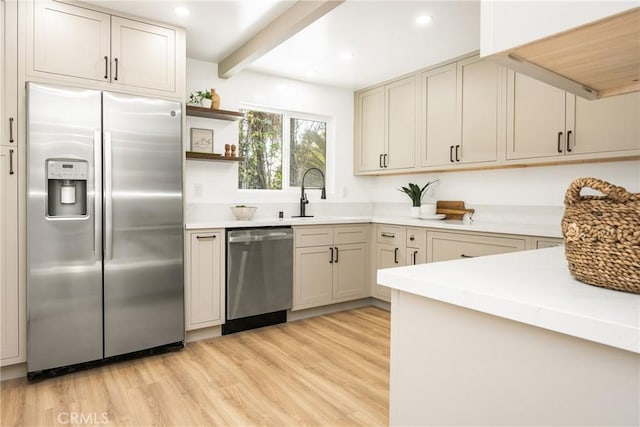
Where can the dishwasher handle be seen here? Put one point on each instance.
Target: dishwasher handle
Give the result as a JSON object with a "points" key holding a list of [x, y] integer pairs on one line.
{"points": [[261, 238]]}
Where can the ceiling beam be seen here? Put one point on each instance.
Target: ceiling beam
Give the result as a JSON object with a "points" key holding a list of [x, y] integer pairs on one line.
{"points": [[293, 20]]}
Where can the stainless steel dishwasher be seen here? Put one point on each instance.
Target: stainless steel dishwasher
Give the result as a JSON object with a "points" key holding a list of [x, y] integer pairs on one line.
{"points": [[259, 287]]}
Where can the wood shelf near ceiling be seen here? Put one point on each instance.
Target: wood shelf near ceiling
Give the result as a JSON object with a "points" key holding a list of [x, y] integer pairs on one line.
{"points": [[211, 113]]}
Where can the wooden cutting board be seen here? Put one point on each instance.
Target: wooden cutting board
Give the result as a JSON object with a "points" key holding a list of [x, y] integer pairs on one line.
{"points": [[453, 209]]}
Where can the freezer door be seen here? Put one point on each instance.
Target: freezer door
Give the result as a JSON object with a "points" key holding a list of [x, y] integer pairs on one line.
{"points": [[143, 260], [64, 265]]}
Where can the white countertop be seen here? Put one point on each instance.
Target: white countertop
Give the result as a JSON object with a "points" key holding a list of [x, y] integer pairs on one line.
{"points": [[487, 227], [533, 287]]}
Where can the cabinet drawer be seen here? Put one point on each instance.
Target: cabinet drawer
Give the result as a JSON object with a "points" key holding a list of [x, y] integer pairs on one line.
{"points": [[390, 234], [343, 235], [313, 236], [448, 246], [416, 238], [548, 243]]}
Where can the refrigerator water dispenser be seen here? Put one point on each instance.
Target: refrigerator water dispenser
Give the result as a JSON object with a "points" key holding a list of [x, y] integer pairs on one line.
{"points": [[66, 188]]}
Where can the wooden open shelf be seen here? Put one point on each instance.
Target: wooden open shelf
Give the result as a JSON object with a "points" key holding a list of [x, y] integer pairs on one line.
{"points": [[211, 157], [210, 113]]}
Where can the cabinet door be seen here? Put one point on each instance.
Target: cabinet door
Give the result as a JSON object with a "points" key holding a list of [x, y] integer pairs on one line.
{"points": [[448, 246], [478, 102], [386, 256], [438, 116], [535, 118], [143, 55], [312, 277], [12, 308], [402, 132], [70, 41], [609, 125], [370, 130], [548, 243], [350, 272], [205, 278], [9, 72]]}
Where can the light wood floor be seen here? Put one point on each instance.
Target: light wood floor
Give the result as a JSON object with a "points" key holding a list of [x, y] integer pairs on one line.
{"points": [[331, 370]]}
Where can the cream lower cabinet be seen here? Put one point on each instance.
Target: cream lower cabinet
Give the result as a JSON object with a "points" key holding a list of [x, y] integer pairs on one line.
{"points": [[444, 246], [12, 296], [390, 251], [416, 247], [70, 42], [204, 278], [330, 265]]}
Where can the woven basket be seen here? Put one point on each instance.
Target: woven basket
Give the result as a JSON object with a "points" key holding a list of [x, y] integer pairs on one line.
{"points": [[602, 235]]}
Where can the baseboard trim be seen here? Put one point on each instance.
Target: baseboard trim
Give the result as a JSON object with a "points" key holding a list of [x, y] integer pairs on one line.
{"points": [[12, 372]]}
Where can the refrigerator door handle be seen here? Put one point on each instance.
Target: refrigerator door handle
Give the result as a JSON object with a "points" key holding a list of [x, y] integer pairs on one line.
{"points": [[108, 207], [97, 195]]}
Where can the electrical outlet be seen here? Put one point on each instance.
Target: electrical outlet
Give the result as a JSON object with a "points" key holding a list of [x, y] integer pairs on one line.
{"points": [[197, 190]]}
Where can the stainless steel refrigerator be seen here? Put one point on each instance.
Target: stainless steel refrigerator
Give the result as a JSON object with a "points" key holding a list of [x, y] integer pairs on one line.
{"points": [[104, 225]]}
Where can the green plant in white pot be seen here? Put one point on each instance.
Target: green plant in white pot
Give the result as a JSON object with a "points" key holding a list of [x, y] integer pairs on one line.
{"points": [[416, 194]]}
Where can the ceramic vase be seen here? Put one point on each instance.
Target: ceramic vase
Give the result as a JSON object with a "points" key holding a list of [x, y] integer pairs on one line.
{"points": [[415, 211]]}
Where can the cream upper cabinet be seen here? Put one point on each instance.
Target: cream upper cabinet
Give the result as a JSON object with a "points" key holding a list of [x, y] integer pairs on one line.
{"points": [[370, 129], [401, 124], [330, 265], [204, 278], [143, 54], [69, 43], [480, 89], [607, 125], [536, 118], [9, 74], [386, 127], [460, 113], [544, 123], [12, 296], [438, 117]]}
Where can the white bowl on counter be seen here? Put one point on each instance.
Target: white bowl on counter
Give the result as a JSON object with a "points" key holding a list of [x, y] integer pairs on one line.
{"points": [[243, 213]]}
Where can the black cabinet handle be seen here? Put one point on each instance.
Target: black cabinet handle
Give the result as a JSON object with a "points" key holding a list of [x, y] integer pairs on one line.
{"points": [[415, 257], [457, 153], [106, 67], [412, 238], [11, 172], [331, 256], [388, 235], [559, 139], [451, 153], [116, 77], [466, 256], [213, 236], [380, 162], [395, 255], [10, 129], [336, 254], [386, 164], [568, 141]]}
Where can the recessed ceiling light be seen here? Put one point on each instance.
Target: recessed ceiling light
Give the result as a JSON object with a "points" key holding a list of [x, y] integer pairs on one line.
{"points": [[181, 11], [346, 56], [423, 19]]}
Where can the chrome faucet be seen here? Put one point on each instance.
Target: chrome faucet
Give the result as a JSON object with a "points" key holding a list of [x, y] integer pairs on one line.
{"points": [[303, 196]]}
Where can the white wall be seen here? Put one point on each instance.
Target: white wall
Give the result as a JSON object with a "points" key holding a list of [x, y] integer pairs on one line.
{"points": [[219, 180], [530, 186]]}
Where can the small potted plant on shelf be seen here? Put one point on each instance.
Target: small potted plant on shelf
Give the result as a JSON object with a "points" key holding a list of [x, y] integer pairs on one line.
{"points": [[205, 99], [416, 194]]}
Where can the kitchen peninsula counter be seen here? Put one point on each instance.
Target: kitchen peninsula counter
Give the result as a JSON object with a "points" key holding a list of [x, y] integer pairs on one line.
{"points": [[508, 340]]}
